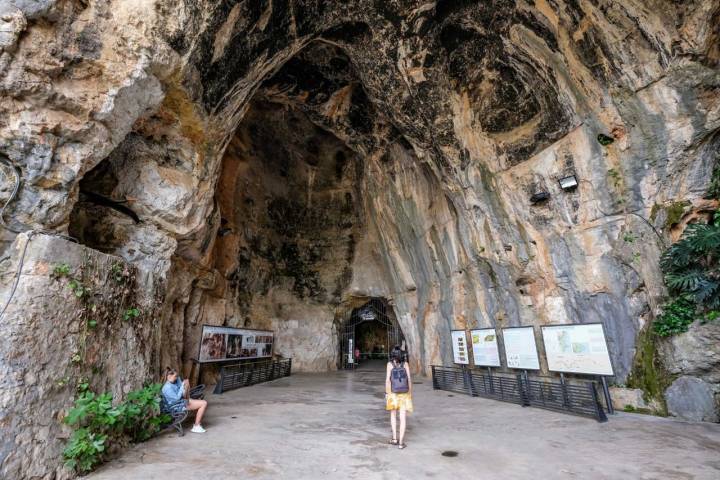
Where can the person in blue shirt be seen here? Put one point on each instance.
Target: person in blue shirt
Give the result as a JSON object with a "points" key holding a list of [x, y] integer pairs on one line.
{"points": [[175, 394]]}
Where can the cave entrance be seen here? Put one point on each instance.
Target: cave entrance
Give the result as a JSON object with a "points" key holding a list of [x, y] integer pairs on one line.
{"points": [[368, 334]]}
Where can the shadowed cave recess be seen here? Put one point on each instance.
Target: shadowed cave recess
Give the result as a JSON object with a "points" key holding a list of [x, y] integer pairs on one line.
{"points": [[278, 165]]}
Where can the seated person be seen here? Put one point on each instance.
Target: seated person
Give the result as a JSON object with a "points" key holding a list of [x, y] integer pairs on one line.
{"points": [[175, 394]]}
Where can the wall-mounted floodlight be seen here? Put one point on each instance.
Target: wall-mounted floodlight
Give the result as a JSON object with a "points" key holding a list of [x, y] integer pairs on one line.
{"points": [[539, 197], [568, 183]]}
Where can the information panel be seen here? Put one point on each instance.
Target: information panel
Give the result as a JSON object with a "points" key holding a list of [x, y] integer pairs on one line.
{"points": [[219, 344], [577, 349], [520, 348], [459, 344], [485, 347]]}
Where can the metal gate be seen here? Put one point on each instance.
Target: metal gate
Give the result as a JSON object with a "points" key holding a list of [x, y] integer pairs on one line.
{"points": [[375, 310]]}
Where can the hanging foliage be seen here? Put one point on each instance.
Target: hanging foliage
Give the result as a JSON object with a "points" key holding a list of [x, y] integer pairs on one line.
{"points": [[692, 275]]}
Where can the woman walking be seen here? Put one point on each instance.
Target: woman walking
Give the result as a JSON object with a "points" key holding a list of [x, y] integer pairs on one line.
{"points": [[398, 393]]}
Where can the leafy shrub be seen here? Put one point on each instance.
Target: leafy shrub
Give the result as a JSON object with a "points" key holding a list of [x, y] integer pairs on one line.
{"points": [[84, 450], [692, 265], [141, 413], [100, 425], [692, 275], [676, 317]]}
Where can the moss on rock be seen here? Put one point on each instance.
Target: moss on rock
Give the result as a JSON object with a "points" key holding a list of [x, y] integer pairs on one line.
{"points": [[675, 212], [648, 373]]}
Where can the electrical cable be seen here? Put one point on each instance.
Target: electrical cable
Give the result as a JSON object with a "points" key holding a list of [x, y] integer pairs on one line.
{"points": [[30, 233], [17, 274], [12, 195]]}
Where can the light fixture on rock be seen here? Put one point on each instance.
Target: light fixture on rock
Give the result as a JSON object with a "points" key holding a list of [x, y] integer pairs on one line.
{"points": [[539, 197], [568, 183]]}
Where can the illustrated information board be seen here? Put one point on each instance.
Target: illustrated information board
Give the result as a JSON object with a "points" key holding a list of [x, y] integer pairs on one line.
{"points": [[485, 347], [520, 348], [577, 349], [459, 344], [219, 344]]}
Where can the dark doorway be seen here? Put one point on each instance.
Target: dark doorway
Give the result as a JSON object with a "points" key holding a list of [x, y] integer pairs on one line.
{"points": [[368, 334]]}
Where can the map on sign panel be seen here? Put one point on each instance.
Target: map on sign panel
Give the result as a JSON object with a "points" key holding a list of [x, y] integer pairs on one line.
{"points": [[577, 349]]}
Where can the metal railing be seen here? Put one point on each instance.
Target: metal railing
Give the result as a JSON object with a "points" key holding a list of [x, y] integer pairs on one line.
{"points": [[578, 398], [245, 374]]}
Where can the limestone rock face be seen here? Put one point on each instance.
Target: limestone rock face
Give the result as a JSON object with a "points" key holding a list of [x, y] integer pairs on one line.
{"points": [[692, 399], [59, 334], [274, 164]]}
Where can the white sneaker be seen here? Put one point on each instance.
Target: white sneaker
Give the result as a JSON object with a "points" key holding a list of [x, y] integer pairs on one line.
{"points": [[197, 429]]}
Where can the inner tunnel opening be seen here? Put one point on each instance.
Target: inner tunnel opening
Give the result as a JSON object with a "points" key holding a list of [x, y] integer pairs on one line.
{"points": [[368, 333]]}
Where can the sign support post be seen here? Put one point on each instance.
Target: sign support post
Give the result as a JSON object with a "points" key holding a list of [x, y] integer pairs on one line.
{"points": [[467, 379], [566, 401], [606, 393], [490, 379], [526, 379]]}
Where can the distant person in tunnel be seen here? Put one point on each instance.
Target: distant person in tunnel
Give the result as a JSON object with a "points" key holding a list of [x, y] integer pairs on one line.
{"points": [[175, 394], [398, 393]]}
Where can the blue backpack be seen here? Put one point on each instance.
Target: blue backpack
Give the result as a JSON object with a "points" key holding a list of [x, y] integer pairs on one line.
{"points": [[399, 382]]}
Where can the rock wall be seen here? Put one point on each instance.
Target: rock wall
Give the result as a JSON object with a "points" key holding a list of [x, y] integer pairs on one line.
{"points": [[58, 334], [200, 141], [289, 219]]}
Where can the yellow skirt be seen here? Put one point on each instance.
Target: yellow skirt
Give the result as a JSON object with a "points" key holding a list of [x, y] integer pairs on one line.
{"points": [[398, 401]]}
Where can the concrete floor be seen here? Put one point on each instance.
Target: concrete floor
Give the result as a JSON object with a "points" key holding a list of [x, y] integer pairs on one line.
{"points": [[333, 426]]}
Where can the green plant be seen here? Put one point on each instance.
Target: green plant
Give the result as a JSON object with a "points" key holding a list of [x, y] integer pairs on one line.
{"points": [[604, 140], [61, 270], [636, 257], [617, 182], [675, 318], [119, 272], [78, 288], [131, 313], [692, 265], [711, 315], [692, 275], [91, 323], [82, 385], [99, 425], [629, 408], [84, 450], [629, 237], [141, 413]]}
